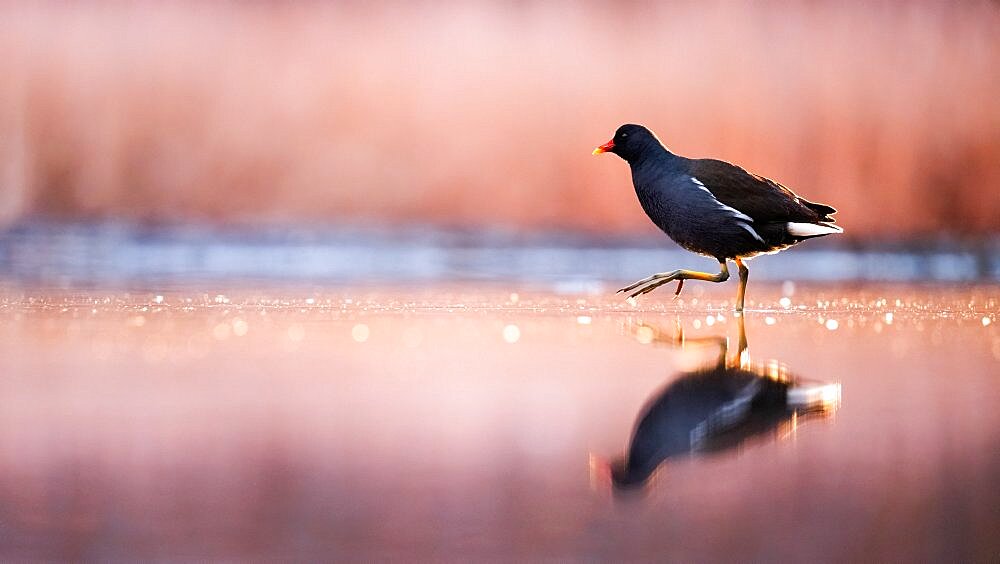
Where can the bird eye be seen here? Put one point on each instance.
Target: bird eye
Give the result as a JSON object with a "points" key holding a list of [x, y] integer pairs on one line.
{"points": [[624, 134]]}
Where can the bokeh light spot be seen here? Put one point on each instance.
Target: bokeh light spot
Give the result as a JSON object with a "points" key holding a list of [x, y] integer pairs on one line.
{"points": [[360, 332], [511, 333]]}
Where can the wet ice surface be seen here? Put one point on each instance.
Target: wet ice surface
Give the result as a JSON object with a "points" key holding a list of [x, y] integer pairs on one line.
{"points": [[460, 421]]}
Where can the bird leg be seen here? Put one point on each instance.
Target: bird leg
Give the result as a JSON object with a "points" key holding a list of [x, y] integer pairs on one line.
{"points": [[680, 285], [652, 282], [744, 275], [680, 341]]}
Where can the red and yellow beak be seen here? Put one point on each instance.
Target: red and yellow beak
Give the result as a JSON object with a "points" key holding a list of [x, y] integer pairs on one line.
{"points": [[605, 147]]}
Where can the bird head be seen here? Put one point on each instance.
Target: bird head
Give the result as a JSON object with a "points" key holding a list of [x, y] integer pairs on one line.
{"points": [[629, 141]]}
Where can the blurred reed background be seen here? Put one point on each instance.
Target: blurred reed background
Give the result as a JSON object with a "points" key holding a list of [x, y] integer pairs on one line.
{"points": [[484, 114]]}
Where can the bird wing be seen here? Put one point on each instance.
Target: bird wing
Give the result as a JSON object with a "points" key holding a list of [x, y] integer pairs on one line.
{"points": [[727, 416], [762, 199]]}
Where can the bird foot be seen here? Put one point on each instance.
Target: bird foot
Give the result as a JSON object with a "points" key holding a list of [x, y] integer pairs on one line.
{"points": [[650, 283], [649, 287]]}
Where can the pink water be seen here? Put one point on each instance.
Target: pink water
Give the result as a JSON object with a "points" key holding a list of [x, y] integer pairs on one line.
{"points": [[451, 423]]}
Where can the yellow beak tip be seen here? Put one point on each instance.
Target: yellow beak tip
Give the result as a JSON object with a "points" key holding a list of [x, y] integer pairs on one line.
{"points": [[597, 151]]}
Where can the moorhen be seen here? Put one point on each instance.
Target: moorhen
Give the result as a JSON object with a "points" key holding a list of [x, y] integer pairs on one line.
{"points": [[722, 406], [713, 208]]}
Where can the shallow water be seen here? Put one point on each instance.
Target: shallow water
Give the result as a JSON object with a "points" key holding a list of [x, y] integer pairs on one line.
{"points": [[451, 422]]}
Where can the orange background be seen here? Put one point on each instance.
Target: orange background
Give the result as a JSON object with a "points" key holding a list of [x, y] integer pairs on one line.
{"points": [[486, 114]]}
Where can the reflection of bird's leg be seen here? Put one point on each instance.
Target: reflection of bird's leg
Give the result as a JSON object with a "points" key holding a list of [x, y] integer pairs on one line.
{"points": [[741, 349], [744, 275], [679, 340], [650, 283], [743, 334]]}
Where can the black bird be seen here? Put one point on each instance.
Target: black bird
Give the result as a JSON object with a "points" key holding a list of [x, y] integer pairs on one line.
{"points": [[719, 407], [713, 208]]}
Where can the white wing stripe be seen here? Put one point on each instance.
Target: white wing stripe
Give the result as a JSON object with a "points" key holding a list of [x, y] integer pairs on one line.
{"points": [[733, 211], [751, 230]]}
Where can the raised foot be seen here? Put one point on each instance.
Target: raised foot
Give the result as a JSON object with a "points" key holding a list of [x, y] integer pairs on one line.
{"points": [[647, 280], [652, 282]]}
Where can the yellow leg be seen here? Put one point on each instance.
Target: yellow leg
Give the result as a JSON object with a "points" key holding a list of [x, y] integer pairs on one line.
{"points": [[742, 347], [650, 283], [744, 275], [679, 340]]}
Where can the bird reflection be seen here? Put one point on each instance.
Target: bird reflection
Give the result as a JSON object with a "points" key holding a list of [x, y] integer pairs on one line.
{"points": [[717, 407]]}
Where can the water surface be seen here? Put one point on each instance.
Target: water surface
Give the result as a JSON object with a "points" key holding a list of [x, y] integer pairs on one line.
{"points": [[458, 421]]}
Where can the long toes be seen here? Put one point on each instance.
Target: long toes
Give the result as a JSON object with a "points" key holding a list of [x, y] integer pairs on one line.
{"points": [[649, 288], [637, 293], [655, 281], [631, 287]]}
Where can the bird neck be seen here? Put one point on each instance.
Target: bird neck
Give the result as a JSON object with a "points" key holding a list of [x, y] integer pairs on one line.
{"points": [[653, 152]]}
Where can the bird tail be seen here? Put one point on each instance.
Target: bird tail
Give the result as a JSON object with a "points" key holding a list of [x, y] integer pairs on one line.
{"points": [[823, 210], [806, 230], [814, 395]]}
